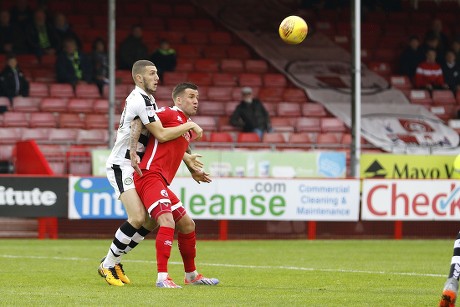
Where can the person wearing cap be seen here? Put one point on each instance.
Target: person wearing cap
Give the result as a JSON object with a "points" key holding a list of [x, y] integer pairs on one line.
{"points": [[250, 115]]}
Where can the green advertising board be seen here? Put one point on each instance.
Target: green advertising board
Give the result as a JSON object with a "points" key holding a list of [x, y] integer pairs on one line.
{"points": [[256, 164], [406, 166]]}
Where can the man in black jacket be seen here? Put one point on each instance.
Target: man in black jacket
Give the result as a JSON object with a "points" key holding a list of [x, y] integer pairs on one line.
{"points": [[72, 66], [250, 115], [12, 80]]}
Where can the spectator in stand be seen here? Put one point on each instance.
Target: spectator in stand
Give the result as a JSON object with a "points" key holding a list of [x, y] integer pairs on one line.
{"points": [[164, 58], [132, 49], [432, 42], [72, 66], [12, 80], [250, 115], [11, 37], [451, 71], [40, 35], [64, 31], [411, 57], [21, 13], [100, 63], [436, 31], [429, 73], [455, 47]]}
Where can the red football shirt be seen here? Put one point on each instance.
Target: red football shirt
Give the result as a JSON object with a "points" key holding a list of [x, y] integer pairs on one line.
{"points": [[165, 158]]}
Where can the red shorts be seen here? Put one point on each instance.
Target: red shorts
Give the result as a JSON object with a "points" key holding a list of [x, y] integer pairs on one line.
{"points": [[157, 197]]}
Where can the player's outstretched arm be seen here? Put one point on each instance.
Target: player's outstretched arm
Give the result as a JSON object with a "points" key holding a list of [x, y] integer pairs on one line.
{"points": [[195, 167], [135, 133], [166, 134]]}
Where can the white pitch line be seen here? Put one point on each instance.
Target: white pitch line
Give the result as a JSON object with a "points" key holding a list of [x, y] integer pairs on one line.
{"points": [[242, 266]]}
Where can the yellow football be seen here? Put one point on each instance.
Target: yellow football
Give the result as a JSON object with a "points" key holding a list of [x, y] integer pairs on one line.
{"points": [[293, 30]]}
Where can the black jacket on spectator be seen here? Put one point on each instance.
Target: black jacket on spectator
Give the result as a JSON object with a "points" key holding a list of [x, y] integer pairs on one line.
{"points": [[33, 39], [131, 50], [65, 72], [409, 61], [451, 75], [8, 84], [250, 116]]}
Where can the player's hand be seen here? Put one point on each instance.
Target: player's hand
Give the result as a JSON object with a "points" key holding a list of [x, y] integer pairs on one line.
{"points": [[135, 160], [201, 176], [198, 131], [193, 162]]}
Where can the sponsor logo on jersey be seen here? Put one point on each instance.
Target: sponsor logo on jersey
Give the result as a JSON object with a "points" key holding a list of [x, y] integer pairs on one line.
{"points": [[164, 193], [168, 242], [128, 181], [179, 119], [150, 111]]}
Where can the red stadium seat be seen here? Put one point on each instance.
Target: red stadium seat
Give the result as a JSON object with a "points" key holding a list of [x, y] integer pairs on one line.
{"points": [[71, 120], [161, 9], [202, 24], [219, 93], [54, 104], [42, 120], [443, 97], [178, 24], [185, 65], [308, 124], [196, 37], [274, 80], [175, 38], [94, 136], [313, 110], [184, 10], [232, 65], [60, 135], [207, 123], [206, 65], [121, 91], [215, 52], [221, 137], [401, 82], [78, 162], [332, 124], [38, 89], [220, 38], [123, 77], [294, 95], [444, 112], [238, 52], [96, 121], [44, 75], [211, 108], [36, 134], [26, 104], [61, 90], [187, 51], [101, 106], [282, 124], [288, 109], [9, 135], [248, 137], [271, 108], [200, 78], [250, 79], [256, 66], [299, 138], [174, 77], [224, 124], [421, 97], [273, 138], [327, 139], [224, 79], [80, 105], [15, 119], [274, 94]]}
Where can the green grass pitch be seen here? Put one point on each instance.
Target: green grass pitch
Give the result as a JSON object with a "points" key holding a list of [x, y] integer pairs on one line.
{"points": [[252, 273]]}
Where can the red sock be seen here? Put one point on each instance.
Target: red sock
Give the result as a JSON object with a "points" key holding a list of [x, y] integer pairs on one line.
{"points": [[187, 248], [164, 241]]}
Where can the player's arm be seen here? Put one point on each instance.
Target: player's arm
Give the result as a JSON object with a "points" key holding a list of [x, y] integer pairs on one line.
{"points": [[135, 133], [166, 134]]}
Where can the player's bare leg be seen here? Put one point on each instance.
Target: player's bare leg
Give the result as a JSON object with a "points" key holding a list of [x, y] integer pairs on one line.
{"points": [[450, 291], [187, 248]]}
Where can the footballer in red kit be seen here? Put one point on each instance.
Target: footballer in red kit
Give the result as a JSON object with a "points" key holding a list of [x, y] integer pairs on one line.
{"points": [[159, 166]]}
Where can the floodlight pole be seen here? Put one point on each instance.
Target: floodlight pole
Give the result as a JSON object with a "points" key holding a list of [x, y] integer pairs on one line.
{"points": [[356, 89], [111, 51]]}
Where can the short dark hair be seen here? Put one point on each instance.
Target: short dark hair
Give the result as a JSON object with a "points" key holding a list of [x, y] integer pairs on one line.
{"points": [[139, 66], [178, 89]]}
